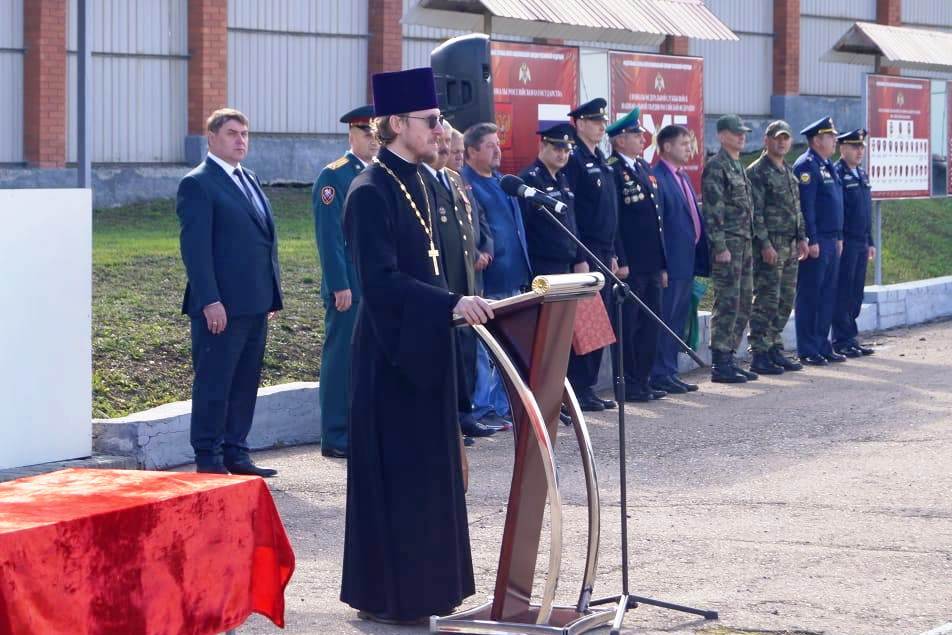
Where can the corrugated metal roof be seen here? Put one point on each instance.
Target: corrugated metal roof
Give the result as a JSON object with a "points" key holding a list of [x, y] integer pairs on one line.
{"points": [[625, 21], [899, 46]]}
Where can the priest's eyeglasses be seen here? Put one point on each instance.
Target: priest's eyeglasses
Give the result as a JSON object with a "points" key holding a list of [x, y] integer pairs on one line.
{"points": [[430, 120]]}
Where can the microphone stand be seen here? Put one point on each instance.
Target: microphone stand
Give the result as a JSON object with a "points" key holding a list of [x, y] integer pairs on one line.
{"points": [[621, 293]]}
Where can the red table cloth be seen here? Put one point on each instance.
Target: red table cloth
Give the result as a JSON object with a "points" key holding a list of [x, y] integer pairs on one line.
{"points": [[122, 552]]}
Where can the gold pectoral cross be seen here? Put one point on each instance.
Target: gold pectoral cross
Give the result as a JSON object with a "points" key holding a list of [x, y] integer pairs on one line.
{"points": [[434, 255]]}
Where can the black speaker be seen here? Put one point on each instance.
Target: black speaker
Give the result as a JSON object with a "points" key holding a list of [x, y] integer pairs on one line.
{"points": [[464, 83]]}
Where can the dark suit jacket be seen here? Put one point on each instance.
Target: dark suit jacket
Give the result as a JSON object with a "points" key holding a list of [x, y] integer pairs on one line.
{"points": [[230, 254], [685, 259]]}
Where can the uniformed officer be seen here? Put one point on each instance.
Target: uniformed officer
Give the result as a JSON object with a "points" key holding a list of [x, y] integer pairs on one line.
{"points": [[821, 200], [641, 256], [779, 244], [339, 289], [728, 219], [858, 245], [592, 181], [551, 251]]}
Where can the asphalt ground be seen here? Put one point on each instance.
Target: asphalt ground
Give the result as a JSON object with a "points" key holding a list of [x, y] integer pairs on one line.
{"points": [[813, 502]]}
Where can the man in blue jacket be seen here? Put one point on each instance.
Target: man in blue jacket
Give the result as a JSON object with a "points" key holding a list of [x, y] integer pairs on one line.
{"points": [[339, 289], [821, 200], [858, 246], [686, 251], [230, 250], [508, 272]]}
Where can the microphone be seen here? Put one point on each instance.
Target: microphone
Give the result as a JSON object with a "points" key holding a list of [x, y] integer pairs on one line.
{"points": [[514, 186]]}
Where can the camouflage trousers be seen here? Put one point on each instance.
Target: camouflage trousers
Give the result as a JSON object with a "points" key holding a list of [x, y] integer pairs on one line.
{"points": [[733, 287], [775, 287]]}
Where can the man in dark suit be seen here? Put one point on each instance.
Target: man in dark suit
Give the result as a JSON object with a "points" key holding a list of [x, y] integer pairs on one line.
{"points": [[230, 250], [685, 248]]}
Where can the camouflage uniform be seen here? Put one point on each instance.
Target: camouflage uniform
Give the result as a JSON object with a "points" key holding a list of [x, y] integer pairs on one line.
{"points": [[777, 222], [728, 210]]}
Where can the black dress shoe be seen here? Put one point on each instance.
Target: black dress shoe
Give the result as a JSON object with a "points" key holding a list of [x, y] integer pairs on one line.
{"points": [[609, 404], [565, 418], [657, 394], [211, 468], [834, 357], [814, 360], [496, 423], [667, 385], [847, 351], [684, 384], [477, 429], [381, 618], [468, 441], [248, 468], [333, 453], [637, 394], [864, 350], [590, 403]]}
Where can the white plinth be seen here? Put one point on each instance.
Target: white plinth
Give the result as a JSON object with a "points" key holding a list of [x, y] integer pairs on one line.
{"points": [[45, 326]]}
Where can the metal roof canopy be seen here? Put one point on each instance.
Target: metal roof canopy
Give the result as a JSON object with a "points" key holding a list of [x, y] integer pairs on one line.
{"points": [[637, 22], [897, 46]]}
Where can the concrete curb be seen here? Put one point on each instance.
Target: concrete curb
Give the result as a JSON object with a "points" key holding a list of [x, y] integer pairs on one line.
{"points": [[289, 414]]}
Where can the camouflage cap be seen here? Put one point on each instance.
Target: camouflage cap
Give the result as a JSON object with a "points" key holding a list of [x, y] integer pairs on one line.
{"points": [[732, 123], [779, 127]]}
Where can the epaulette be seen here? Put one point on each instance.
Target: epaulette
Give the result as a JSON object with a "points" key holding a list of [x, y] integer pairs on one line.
{"points": [[452, 171], [612, 160], [534, 171], [339, 163]]}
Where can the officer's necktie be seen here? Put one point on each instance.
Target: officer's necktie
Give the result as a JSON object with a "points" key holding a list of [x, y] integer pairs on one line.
{"points": [[444, 181], [251, 197]]}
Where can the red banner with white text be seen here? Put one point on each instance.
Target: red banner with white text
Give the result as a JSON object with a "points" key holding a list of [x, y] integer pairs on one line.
{"points": [[531, 83], [898, 120], [668, 90]]}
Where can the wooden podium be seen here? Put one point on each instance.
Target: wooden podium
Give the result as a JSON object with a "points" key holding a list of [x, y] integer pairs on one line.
{"points": [[530, 338]]}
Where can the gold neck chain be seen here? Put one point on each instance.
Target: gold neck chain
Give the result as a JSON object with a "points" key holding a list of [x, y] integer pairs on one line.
{"points": [[433, 252]]}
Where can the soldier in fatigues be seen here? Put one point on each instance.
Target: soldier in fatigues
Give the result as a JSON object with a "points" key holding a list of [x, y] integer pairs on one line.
{"points": [[728, 218], [596, 211], [779, 245], [858, 246], [821, 200], [339, 289], [641, 256]]}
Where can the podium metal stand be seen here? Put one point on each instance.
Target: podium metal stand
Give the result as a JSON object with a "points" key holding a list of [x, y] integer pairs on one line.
{"points": [[530, 338]]}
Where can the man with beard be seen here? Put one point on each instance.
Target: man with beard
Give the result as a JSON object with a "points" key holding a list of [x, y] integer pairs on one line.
{"points": [[339, 290], [406, 542]]}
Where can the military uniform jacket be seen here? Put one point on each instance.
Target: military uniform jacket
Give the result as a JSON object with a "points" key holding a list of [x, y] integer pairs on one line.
{"points": [[596, 203], [544, 239], [640, 232], [777, 215], [453, 218], [728, 207], [327, 201], [857, 204], [821, 196]]}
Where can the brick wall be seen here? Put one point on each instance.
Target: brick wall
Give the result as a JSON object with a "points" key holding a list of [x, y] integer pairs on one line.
{"points": [[44, 83], [208, 60], [888, 12], [674, 46], [786, 47], [385, 48]]}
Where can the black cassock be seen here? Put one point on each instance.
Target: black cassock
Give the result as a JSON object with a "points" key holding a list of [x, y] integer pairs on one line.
{"points": [[406, 544]]}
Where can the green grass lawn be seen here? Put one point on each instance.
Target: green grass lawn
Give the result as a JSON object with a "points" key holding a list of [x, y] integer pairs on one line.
{"points": [[141, 352]]}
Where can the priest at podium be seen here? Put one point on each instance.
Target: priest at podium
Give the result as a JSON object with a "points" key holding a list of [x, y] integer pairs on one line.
{"points": [[406, 543]]}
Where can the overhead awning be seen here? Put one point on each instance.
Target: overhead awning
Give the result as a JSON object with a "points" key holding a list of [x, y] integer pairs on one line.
{"points": [[896, 46], [638, 22]]}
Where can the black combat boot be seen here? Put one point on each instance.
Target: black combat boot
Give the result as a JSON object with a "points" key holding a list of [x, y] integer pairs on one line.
{"points": [[762, 364], [778, 358], [722, 371], [748, 375]]}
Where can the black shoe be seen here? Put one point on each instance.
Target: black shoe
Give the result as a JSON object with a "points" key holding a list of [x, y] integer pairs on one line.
{"points": [[864, 350], [590, 403], [333, 453], [608, 403], [211, 468], [468, 441], [847, 351], [814, 360], [748, 375], [565, 418], [496, 422], [655, 393], [247, 467], [680, 382], [834, 357], [761, 363], [638, 394], [784, 362], [477, 429], [667, 385], [723, 371]]}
